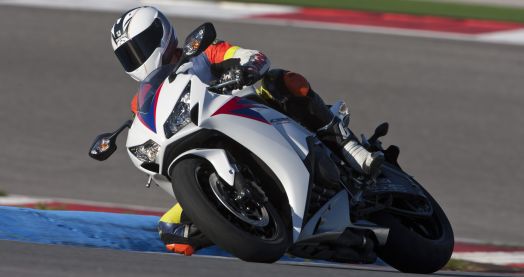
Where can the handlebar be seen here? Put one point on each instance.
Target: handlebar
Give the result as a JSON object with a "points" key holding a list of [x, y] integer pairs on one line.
{"points": [[224, 84]]}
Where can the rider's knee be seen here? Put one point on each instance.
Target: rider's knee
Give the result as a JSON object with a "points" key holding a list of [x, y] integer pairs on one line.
{"points": [[292, 94], [296, 84], [279, 84]]}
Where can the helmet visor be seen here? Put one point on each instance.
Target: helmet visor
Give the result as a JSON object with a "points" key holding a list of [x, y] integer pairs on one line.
{"points": [[135, 52]]}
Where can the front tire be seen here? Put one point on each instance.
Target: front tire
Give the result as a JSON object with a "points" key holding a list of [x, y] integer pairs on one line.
{"points": [[250, 243]]}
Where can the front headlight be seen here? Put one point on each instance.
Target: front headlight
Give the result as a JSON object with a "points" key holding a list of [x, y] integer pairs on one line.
{"points": [[180, 116], [146, 152]]}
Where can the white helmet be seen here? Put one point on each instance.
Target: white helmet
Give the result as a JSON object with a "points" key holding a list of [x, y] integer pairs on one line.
{"points": [[143, 40]]}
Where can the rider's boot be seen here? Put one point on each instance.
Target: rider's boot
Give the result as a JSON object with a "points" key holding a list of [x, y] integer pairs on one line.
{"points": [[179, 234], [292, 94], [358, 157]]}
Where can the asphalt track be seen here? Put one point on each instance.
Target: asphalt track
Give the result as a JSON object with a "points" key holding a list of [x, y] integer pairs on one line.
{"points": [[455, 110], [25, 259]]}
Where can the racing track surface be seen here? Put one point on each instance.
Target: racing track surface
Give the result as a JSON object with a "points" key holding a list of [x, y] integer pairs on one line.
{"points": [[455, 110], [55, 261]]}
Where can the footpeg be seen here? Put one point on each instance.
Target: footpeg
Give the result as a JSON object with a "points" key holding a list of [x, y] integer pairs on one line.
{"points": [[380, 131]]}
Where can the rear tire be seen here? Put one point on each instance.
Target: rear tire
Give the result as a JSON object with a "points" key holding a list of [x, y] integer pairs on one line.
{"points": [[213, 220], [408, 249]]}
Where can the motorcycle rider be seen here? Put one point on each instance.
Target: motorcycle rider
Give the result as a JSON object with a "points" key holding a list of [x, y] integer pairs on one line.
{"points": [[143, 40]]}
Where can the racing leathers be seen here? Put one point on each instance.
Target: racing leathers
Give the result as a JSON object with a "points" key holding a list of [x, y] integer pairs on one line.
{"points": [[285, 91]]}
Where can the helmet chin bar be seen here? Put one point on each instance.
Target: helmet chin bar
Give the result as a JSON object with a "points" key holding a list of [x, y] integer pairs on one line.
{"points": [[149, 66]]}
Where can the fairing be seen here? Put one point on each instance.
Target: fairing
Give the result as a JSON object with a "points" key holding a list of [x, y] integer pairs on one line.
{"points": [[250, 124], [277, 140]]}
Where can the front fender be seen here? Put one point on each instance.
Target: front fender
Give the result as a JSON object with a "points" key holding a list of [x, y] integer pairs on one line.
{"points": [[268, 144], [217, 157]]}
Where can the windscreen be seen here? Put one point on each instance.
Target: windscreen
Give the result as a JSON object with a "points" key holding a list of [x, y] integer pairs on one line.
{"points": [[148, 95]]}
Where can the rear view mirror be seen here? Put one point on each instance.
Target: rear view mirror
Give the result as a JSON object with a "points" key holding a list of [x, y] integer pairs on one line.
{"points": [[103, 147], [199, 40], [105, 144], [196, 43]]}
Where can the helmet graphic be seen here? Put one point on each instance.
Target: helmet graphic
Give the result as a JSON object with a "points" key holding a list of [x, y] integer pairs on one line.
{"points": [[143, 39]]}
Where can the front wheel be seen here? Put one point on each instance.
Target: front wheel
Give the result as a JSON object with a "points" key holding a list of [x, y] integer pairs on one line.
{"points": [[250, 230]]}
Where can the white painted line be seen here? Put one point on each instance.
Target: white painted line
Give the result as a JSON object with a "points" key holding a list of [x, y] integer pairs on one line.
{"points": [[513, 37], [498, 258], [14, 200]]}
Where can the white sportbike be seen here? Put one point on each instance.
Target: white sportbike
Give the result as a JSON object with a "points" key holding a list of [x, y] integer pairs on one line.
{"points": [[258, 184]]}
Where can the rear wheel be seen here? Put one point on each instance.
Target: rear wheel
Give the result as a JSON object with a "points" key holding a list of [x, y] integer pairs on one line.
{"points": [[250, 229], [417, 245]]}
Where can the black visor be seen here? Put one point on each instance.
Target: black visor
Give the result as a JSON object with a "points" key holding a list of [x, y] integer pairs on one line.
{"points": [[137, 50]]}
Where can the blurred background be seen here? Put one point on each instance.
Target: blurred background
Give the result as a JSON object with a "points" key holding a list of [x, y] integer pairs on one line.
{"points": [[454, 102]]}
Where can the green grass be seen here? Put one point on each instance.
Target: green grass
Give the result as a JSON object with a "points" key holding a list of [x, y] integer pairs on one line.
{"points": [[419, 7], [3, 193]]}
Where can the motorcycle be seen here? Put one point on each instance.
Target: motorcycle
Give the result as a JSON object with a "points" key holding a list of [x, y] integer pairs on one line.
{"points": [[258, 184]]}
